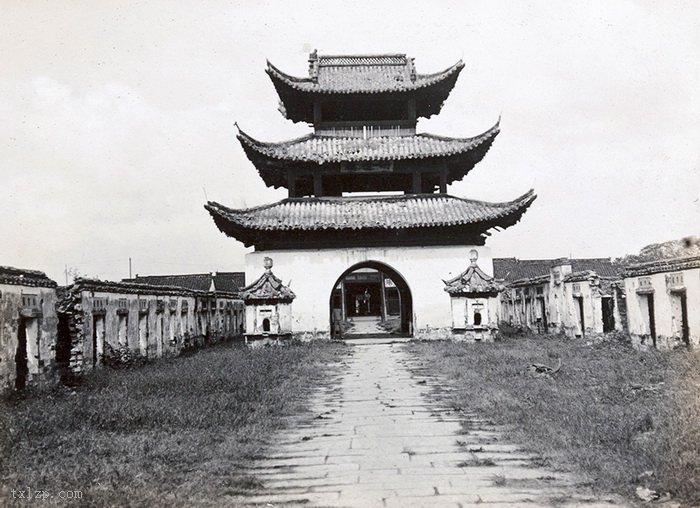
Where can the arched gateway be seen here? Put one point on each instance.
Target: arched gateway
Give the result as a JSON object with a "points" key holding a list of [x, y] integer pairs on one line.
{"points": [[371, 298]]}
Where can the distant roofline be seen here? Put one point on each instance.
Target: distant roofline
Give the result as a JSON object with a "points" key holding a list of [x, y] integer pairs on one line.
{"points": [[12, 276], [128, 287], [545, 260]]}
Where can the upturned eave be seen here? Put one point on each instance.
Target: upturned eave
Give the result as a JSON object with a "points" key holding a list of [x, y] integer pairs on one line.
{"points": [[297, 94]]}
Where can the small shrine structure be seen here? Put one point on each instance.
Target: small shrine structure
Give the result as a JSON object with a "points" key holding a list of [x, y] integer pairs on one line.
{"points": [[474, 303], [268, 306]]}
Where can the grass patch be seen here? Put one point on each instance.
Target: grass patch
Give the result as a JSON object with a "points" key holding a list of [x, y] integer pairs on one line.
{"points": [[611, 412], [175, 432]]}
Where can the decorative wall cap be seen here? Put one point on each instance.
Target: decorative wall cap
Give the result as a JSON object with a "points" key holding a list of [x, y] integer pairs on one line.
{"points": [[22, 277], [661, 266], [133, 288]]}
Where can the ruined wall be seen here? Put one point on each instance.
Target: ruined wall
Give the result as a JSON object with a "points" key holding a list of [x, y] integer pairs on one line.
{"points": [[528, 304], [113, 321], [667, 310], [41, 325]]}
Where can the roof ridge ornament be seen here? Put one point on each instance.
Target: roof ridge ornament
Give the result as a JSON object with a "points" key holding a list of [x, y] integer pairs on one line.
{"points": [[473, 281], [268, 289], [313, 65]]}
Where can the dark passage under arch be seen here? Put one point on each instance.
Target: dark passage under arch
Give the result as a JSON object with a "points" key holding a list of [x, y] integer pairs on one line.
{"points": [[371, 299]]}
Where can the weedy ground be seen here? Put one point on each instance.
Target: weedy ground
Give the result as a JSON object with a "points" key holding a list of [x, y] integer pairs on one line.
{"points": [[173, 432], [623, 418]]}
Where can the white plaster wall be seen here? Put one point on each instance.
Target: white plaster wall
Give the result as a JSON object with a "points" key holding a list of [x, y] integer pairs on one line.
{"points": [[459, 312], [313, 274], [691, 279]]}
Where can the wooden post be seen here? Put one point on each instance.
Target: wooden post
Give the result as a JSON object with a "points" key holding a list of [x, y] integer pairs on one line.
{"points": [[417, 183], [317, 113], [443, 181], [318, 185], [342, 295], [383, 301], [412, 111], [291, 184]]}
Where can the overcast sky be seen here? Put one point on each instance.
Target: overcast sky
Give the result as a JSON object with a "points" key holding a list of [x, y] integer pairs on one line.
{"points": [[116, 119]]}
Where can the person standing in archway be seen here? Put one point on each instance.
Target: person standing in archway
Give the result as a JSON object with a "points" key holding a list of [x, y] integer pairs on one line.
{"points": [[366, 299]]}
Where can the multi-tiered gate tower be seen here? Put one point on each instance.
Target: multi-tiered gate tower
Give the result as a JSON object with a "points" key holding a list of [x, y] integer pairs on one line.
{"points": [[352, 256]]}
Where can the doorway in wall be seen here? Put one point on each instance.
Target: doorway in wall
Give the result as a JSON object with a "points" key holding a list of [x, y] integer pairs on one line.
{"points": [[608, 310], [21, 360], [581, 318], [98, 338], [650, 315], [63, 348]]}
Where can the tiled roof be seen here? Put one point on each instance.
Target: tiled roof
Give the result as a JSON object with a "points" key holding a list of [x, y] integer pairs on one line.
{"points": [[223, 281], [21, 277], [513, 269], [326, 149], [194, 281], [663, 265], [384, 212], [229, 281], [267, 288], [362, 74], [472, 280], [603, 267], [357, 74]]}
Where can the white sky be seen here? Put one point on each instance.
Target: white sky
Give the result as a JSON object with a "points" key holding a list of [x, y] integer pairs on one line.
{"points": [[115, 118]]}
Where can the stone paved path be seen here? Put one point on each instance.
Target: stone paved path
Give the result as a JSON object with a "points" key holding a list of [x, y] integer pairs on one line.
{"points": [[378, 440], [364, 325]]}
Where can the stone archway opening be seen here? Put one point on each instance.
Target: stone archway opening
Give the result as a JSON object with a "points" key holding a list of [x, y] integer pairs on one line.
{"points": [[371, 299]]}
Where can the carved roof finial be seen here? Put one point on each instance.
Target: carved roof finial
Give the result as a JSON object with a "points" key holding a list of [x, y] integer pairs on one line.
{"points": [[267, 263], [313, 65], [473, 256]]}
